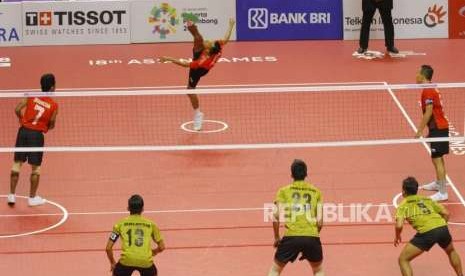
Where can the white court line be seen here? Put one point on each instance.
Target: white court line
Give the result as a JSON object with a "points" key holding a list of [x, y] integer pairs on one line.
{"points": [[414, 128], [181, 211], [183, 86]]}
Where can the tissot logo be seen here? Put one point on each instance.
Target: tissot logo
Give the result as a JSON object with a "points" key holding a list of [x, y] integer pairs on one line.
{"points": [[258, 18], [70, 18]]}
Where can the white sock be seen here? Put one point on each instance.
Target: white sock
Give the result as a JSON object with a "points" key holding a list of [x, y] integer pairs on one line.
{"points": [[275, 270], [197, 111]]}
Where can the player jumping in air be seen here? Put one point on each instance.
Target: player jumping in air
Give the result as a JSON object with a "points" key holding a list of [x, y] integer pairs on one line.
{"points": [[205, 55]]}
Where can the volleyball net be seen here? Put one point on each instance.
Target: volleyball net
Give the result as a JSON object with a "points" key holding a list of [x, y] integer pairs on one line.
{"points": [[252, 117]]}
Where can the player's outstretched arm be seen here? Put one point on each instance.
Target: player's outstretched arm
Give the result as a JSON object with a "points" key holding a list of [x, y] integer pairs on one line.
{"points": [[175, 61], [227, 36], [276, 226]]}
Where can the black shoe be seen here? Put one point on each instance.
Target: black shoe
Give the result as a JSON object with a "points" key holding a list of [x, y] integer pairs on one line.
{"points": [[361, 50], [393, 50]]}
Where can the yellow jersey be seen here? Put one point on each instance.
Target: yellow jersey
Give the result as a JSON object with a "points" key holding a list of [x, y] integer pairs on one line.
{"points": [[136, 233], [300, 202], [421, 212]]}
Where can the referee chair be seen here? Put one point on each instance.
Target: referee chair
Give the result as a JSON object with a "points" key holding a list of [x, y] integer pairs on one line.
{"points": [[369, 8]]}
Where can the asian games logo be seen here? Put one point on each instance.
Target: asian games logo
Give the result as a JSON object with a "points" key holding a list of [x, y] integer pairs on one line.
{"points": [[165, 19], [434, 16]]}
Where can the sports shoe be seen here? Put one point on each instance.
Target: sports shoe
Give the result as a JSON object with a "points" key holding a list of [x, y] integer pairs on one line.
{"points": [[11, 199], [439, 197], [36, 201], [361, 50], [393, 50], [198, 120], [433, 186]]}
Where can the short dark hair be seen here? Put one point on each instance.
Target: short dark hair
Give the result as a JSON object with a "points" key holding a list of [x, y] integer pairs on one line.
{"points": [[410, 186], [427, 71], [47, 81], [299, 169], [216, 48], [135, 204]]}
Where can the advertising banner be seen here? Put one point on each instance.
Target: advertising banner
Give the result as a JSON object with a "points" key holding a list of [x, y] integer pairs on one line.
{"points": [[412, 19], [457, 19], [161, 21], [11, 32], [287, 20], [60, 23]]}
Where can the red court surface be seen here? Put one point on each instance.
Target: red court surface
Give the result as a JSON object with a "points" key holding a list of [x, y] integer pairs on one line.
{"points": [[208, 204]]}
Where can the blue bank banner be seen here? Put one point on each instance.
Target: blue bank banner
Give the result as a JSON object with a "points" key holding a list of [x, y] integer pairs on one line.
{"points": [[289, 19]]}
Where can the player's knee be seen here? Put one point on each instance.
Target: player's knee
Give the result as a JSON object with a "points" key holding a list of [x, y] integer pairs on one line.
{"points": [[16, 167], [316, 267], [14, 174], [35, 171]]}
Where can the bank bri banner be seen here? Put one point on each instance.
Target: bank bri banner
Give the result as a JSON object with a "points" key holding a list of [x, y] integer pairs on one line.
{"points": [[289, 19]]}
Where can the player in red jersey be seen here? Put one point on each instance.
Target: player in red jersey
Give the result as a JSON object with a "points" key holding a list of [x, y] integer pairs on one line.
{"points": [[38, 117], [205, 55], [438, 126]]}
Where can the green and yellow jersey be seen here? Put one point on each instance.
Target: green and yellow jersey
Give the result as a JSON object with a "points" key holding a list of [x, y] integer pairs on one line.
{"points": [[136, 233], [421, 212], [300, 202]]}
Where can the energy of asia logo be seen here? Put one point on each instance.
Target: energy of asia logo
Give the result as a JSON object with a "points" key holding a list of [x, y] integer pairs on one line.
{"points": [[165, 19], [261, 18], [434, 16]]}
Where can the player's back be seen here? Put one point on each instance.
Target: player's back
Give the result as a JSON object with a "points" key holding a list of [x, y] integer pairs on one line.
{"points": [[39, 112], [300, 201], [421, 212], [136, 234]]}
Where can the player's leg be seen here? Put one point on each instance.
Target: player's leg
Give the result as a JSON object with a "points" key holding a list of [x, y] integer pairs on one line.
{"points": [[440, 169], [198, 39], [276, 268], [194, 78], [313, 253], [14, 178], [409, 253], [317, 268], [368, 13], [386, 17], [122, 270], [151, 271], [454, 259], [35, 160], [19, 159]]}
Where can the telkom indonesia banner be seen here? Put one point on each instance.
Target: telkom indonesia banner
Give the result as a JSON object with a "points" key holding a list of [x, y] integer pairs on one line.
{"points": [[289, 19], [412, 19], [59, 23], [161, 21], [457, 19]]}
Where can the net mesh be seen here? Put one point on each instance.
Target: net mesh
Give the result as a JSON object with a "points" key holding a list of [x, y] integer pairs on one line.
{"points": [[310, 115]]}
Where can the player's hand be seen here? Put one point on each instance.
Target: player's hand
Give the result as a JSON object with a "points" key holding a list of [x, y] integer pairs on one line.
{"points": [[164, 59], [397, 241], [276, 242], [112, 267], [232, 22]]}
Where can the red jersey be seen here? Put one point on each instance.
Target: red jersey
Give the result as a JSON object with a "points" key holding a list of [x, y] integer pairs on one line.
{"points": [[438, 119], [205, 60], [38, 113]]}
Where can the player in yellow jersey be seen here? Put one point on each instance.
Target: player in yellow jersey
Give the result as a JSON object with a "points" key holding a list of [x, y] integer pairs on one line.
{"points": [[300, 207], [429, 219], [136, 233]]}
